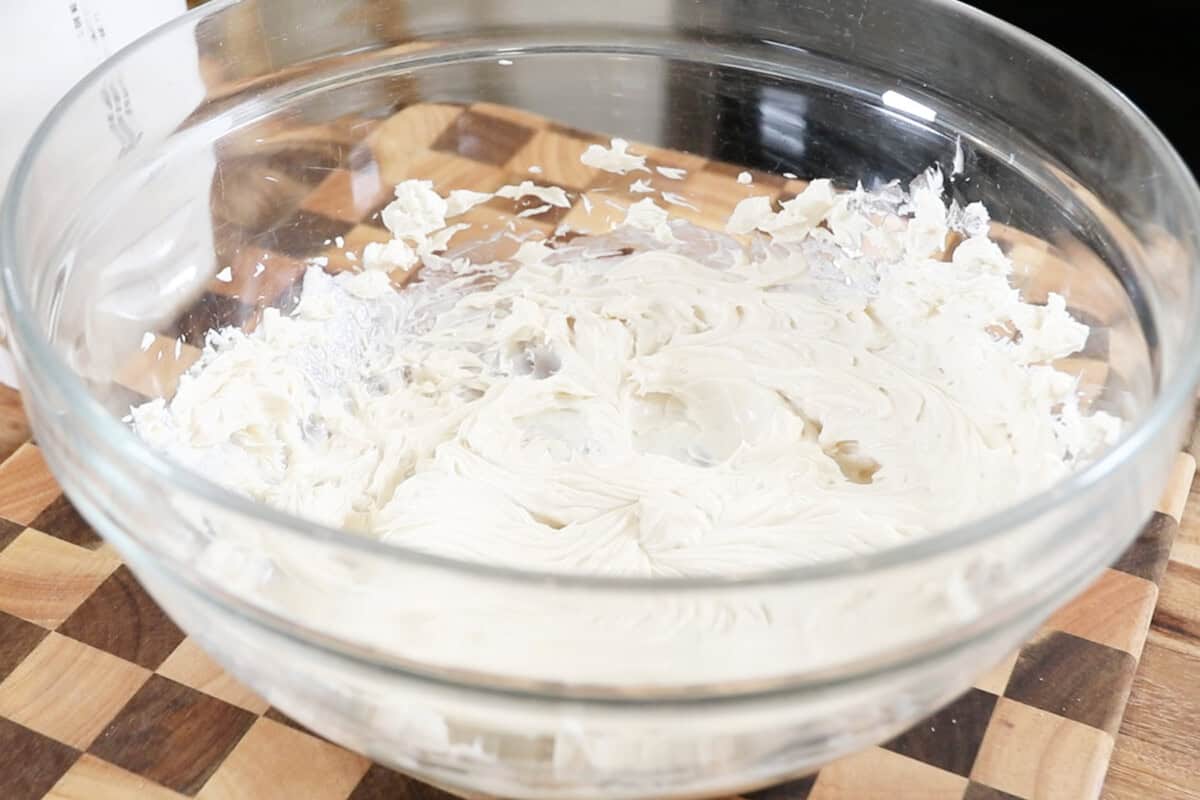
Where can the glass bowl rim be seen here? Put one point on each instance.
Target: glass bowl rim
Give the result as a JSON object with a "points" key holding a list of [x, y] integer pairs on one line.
{"points": [[36, 348]]}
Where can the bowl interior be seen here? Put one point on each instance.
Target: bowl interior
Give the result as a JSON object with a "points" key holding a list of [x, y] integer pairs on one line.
{"points": [[216, 222], [281, 130]]}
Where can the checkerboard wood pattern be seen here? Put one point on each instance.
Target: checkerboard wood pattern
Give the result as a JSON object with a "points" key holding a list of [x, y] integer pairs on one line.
{"points": [[284, 197], [102, 696]]}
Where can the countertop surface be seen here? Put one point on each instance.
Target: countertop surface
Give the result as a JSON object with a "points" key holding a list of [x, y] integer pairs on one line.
{"points": [[1158, 750]]}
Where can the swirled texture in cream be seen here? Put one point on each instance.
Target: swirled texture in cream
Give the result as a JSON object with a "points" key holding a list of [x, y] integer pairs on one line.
{"points": [[828, 384]]}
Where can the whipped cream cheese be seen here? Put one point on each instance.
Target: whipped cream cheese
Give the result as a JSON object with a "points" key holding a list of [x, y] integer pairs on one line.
{"points": [[662, 401], [615, 158]]}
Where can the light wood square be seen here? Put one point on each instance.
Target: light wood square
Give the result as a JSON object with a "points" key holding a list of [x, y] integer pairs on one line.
{"points": [[68, 690], [882, 775], [1009, 238], [996, 678], [494, 235], [1035, 272], [349, 196], [26, 485], [1175, 496], [449, 171], [94, 779], [599, 213], [406, 136], [557, 155], [1115, 611], [44, 579], [1036, 754], [1090, 285], [191, 666], [715, 195], [677, 159], [276, 762], [14, 427], [1091, 373]]}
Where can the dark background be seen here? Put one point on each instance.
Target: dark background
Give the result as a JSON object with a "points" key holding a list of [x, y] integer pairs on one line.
{"points": [[1149, 49]]}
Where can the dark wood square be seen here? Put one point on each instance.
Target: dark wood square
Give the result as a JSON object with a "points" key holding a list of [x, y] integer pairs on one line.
{"points": [[252, 197], [381, 783], [275, 274], [1073, 678], [482, 137], [30, 764], [977, 791], [1096, 345], [588, 137], [792, 790], [172, 735], [309, 162], [276, 715], [210, 311], [304, 234], [120, 618], [9, 530], [950, 738], [17, 640], [62, 521], [1147, 557]]}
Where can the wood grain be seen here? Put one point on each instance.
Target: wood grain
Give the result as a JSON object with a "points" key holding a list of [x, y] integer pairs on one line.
{"points": [[26, 485], [68, 690], [44, 579], [192, 667], [92, 779], [254, 768], [173, 735], [1025, 750], [1158, 750], [14, 428], [879, 775]]}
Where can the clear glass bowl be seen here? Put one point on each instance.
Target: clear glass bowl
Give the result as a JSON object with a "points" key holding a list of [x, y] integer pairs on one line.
{"points": [[112, 231]]}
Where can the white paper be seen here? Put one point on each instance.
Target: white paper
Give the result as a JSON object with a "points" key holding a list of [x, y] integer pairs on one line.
{"points": [[46, 46]]}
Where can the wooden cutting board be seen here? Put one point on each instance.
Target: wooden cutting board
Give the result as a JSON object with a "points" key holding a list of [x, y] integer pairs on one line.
{"points": [[101, 696]]}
